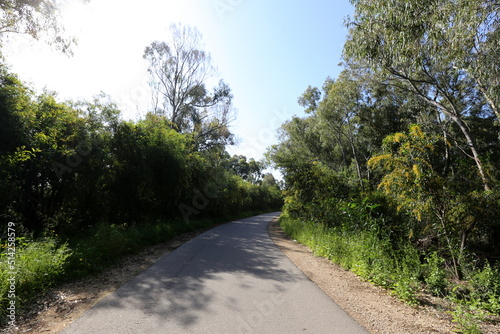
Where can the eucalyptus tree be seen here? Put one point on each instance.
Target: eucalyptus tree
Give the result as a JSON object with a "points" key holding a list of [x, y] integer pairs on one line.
{"points": [[442, 51], [348, 119], [249, 170], [179, 71], [36, 18]]}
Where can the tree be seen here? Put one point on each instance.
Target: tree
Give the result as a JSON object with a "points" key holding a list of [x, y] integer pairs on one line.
{"points": [[249, 170], [340, 110], [37, 160], [348, 120], [150, 170], [439, 50], [310, 99], [36, 18], [179, 71], [417, 181]]}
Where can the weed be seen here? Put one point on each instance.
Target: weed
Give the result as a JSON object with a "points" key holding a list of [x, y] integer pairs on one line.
{"points": [[466, 318], [485, 289], [39, 265], [434, 274]]}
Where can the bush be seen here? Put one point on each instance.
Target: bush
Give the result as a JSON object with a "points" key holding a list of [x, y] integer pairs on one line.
{"points": [[485, 285], [365, 253], [434, 274]]}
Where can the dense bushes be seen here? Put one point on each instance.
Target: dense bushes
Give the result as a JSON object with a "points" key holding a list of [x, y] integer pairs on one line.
{"points": [[69, 166], [393, 170], [84, 187], [400, 267]]}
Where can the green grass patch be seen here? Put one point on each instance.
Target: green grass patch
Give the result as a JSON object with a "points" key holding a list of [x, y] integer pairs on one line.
{"points": [[401, 268], [37, 265], [47, 262], [363, 252]]}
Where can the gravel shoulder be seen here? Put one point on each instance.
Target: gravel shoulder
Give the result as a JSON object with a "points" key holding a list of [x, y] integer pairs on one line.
{"points": [[58, 308], [373, 307]]}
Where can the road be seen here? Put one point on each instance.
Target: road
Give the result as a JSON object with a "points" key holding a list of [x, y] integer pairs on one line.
{"points": [[231, 279]]}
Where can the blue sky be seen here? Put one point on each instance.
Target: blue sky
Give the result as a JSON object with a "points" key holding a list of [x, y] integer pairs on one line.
{"points": [[267, 51]]}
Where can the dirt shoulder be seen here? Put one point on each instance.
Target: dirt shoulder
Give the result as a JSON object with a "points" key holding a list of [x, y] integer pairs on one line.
{"points": [[371, 306], [60, 307]]}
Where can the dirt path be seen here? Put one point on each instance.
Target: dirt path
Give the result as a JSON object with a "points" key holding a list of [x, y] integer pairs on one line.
{"points": [[371, 306]]}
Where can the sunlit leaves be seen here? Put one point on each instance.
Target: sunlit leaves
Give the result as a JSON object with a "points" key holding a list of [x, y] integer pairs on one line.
{"points": [[180, 71], [435, 49], [409, 174], [38, 19]]}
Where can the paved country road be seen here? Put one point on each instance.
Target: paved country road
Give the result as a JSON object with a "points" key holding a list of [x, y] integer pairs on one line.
{"points": [[231, 279]]}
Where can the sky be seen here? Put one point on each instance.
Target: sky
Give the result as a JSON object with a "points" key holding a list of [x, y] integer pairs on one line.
{"points": [[268, 51]]}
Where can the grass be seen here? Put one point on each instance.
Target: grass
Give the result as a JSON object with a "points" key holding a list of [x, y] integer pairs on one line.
{"points": [[402, 269], [38, 265], [364, 253], [48, 262]]}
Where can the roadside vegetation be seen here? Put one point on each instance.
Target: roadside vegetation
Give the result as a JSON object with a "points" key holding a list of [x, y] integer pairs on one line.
{"points": [[393, 171], [81, 187]]}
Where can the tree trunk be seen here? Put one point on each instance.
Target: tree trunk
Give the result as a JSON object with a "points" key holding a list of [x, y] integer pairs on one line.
{"points": [[470, 142], [455, 116], [356, 161]]}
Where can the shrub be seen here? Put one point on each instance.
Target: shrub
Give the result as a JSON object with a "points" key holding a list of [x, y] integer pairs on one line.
{"points": [[434, 274], [485, 285]]}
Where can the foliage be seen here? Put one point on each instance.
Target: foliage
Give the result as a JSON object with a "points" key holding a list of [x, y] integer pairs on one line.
{"points": [[431, 50], [179, 71], [40, 264], [408, 169], [69, 166], [393, 170], [413, 177], [366, 253], [467, 322], [435, 274], [149, 170], [485, 287], [36, 18], [250, 170]]}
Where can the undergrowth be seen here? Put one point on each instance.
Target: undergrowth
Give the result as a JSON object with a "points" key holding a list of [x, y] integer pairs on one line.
{"points": [[49, 261], [403, 269], [37, 265]]}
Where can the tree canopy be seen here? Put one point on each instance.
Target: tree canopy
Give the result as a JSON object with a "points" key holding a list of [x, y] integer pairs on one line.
{"points": [[39, 19], [179, 71], [406, 137], [438, 50]]}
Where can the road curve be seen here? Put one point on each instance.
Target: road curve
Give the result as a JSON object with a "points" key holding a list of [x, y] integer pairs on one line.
{"points": [[231, 279]]}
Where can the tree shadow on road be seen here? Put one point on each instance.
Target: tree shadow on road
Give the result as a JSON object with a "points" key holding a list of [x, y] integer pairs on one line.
{"points": [[204, 277]]}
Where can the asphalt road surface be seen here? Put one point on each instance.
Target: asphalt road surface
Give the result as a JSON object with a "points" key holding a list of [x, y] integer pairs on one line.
{"points": [[231, 279]]}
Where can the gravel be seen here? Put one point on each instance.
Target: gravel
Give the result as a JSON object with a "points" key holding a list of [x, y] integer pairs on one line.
{"points": [[373, 307]]}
